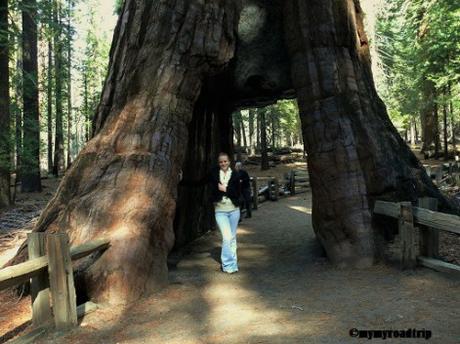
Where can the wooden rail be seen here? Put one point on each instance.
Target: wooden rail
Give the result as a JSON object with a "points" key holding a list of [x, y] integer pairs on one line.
{"points": [[51, 277], [270, 188], [21, 273], [429, 222]]}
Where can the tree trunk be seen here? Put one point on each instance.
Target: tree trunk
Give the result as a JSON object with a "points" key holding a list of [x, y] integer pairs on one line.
{"points": [[263, 140], [273, 125], [355, 155], [123, 184], [58, 74], [49, 107], [429, 119], [86, 106], [243, 131], [158, 106], [237, 134], [452, 119], [252, 112], [30, 172], [258, 129], [69, 86], [412, 129], [444, 120], [5, 144]]}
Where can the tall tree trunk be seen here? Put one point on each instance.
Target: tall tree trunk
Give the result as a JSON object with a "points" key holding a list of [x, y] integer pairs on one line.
{"points": [[18, 113], [428, 118], [452, 119], [437, 138], [69, 86], [58, 74], [237, 134], [273, 124], [5, 144], [258, 129], [252, 113], [49, 106], [123, 184], [30, 175], [444, 120], [355, 155], [263, 140], [413, 131], [243, 131], [86, 106]]}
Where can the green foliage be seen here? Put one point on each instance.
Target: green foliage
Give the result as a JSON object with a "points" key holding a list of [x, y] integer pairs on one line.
{"points": [[418, 40]]}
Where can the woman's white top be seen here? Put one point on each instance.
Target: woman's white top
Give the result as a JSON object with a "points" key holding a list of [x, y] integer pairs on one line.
{"points": [[226, 203]]}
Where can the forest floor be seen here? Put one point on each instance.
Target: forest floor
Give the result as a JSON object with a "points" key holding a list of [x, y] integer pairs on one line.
{"points": [[285, 292]]}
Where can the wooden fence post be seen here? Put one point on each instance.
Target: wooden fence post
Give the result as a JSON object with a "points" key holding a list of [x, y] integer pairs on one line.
{"points": [[292, 182], [255, 191], [406, 233], [429, 237], [39, 285], [61, 281]]}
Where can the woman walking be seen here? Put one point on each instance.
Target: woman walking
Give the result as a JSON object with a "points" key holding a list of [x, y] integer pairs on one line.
{"points": [[225, 196]]}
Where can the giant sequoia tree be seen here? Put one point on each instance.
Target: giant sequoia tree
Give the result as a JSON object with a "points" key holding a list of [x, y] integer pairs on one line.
{"points": [[177, 71]]}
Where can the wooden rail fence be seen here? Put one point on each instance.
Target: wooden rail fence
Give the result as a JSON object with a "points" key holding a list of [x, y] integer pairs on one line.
{"points": [[270, 188], [50, 272], [430, 223]]}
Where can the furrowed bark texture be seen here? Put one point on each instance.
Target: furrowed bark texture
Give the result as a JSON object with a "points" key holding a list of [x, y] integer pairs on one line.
{"points": [[123, 184], [355, 155]]}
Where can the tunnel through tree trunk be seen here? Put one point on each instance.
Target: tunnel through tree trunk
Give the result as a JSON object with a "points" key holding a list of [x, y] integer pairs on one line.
{"points": [[166, 107]]}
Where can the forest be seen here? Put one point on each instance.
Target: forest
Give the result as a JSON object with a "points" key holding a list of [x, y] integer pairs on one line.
{"points": [[119, 122]]}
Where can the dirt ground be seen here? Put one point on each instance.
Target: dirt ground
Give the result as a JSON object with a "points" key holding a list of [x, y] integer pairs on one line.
{"points": [[285, 292]]}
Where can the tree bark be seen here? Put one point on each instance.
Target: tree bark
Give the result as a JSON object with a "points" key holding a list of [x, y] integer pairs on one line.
{"points": [[355, 155], [237, 134], [123, 184], [70, 137], [258, 129], [49, 106], [30, 171], [263, 140], [452, 119], [413, 131], [5, 143], [429, 119], [444, 120], [58, 166], [252, 112], [243, 131]]}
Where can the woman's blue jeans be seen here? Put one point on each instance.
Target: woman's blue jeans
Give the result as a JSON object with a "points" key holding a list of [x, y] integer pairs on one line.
{"points": [[227, 221]]}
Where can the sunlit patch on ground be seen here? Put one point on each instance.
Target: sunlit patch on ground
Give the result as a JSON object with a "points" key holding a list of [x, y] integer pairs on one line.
{"points": [[301, 209]]}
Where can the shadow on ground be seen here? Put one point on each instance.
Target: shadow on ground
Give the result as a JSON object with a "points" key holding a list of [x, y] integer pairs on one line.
{"points": [[285, 292]]}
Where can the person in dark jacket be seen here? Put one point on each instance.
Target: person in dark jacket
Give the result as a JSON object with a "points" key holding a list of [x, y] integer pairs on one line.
{"points": [[245, 188], [225, 194]]}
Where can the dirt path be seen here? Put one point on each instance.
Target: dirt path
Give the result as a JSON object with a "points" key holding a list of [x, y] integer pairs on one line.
{"points": [[285, 292]]}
